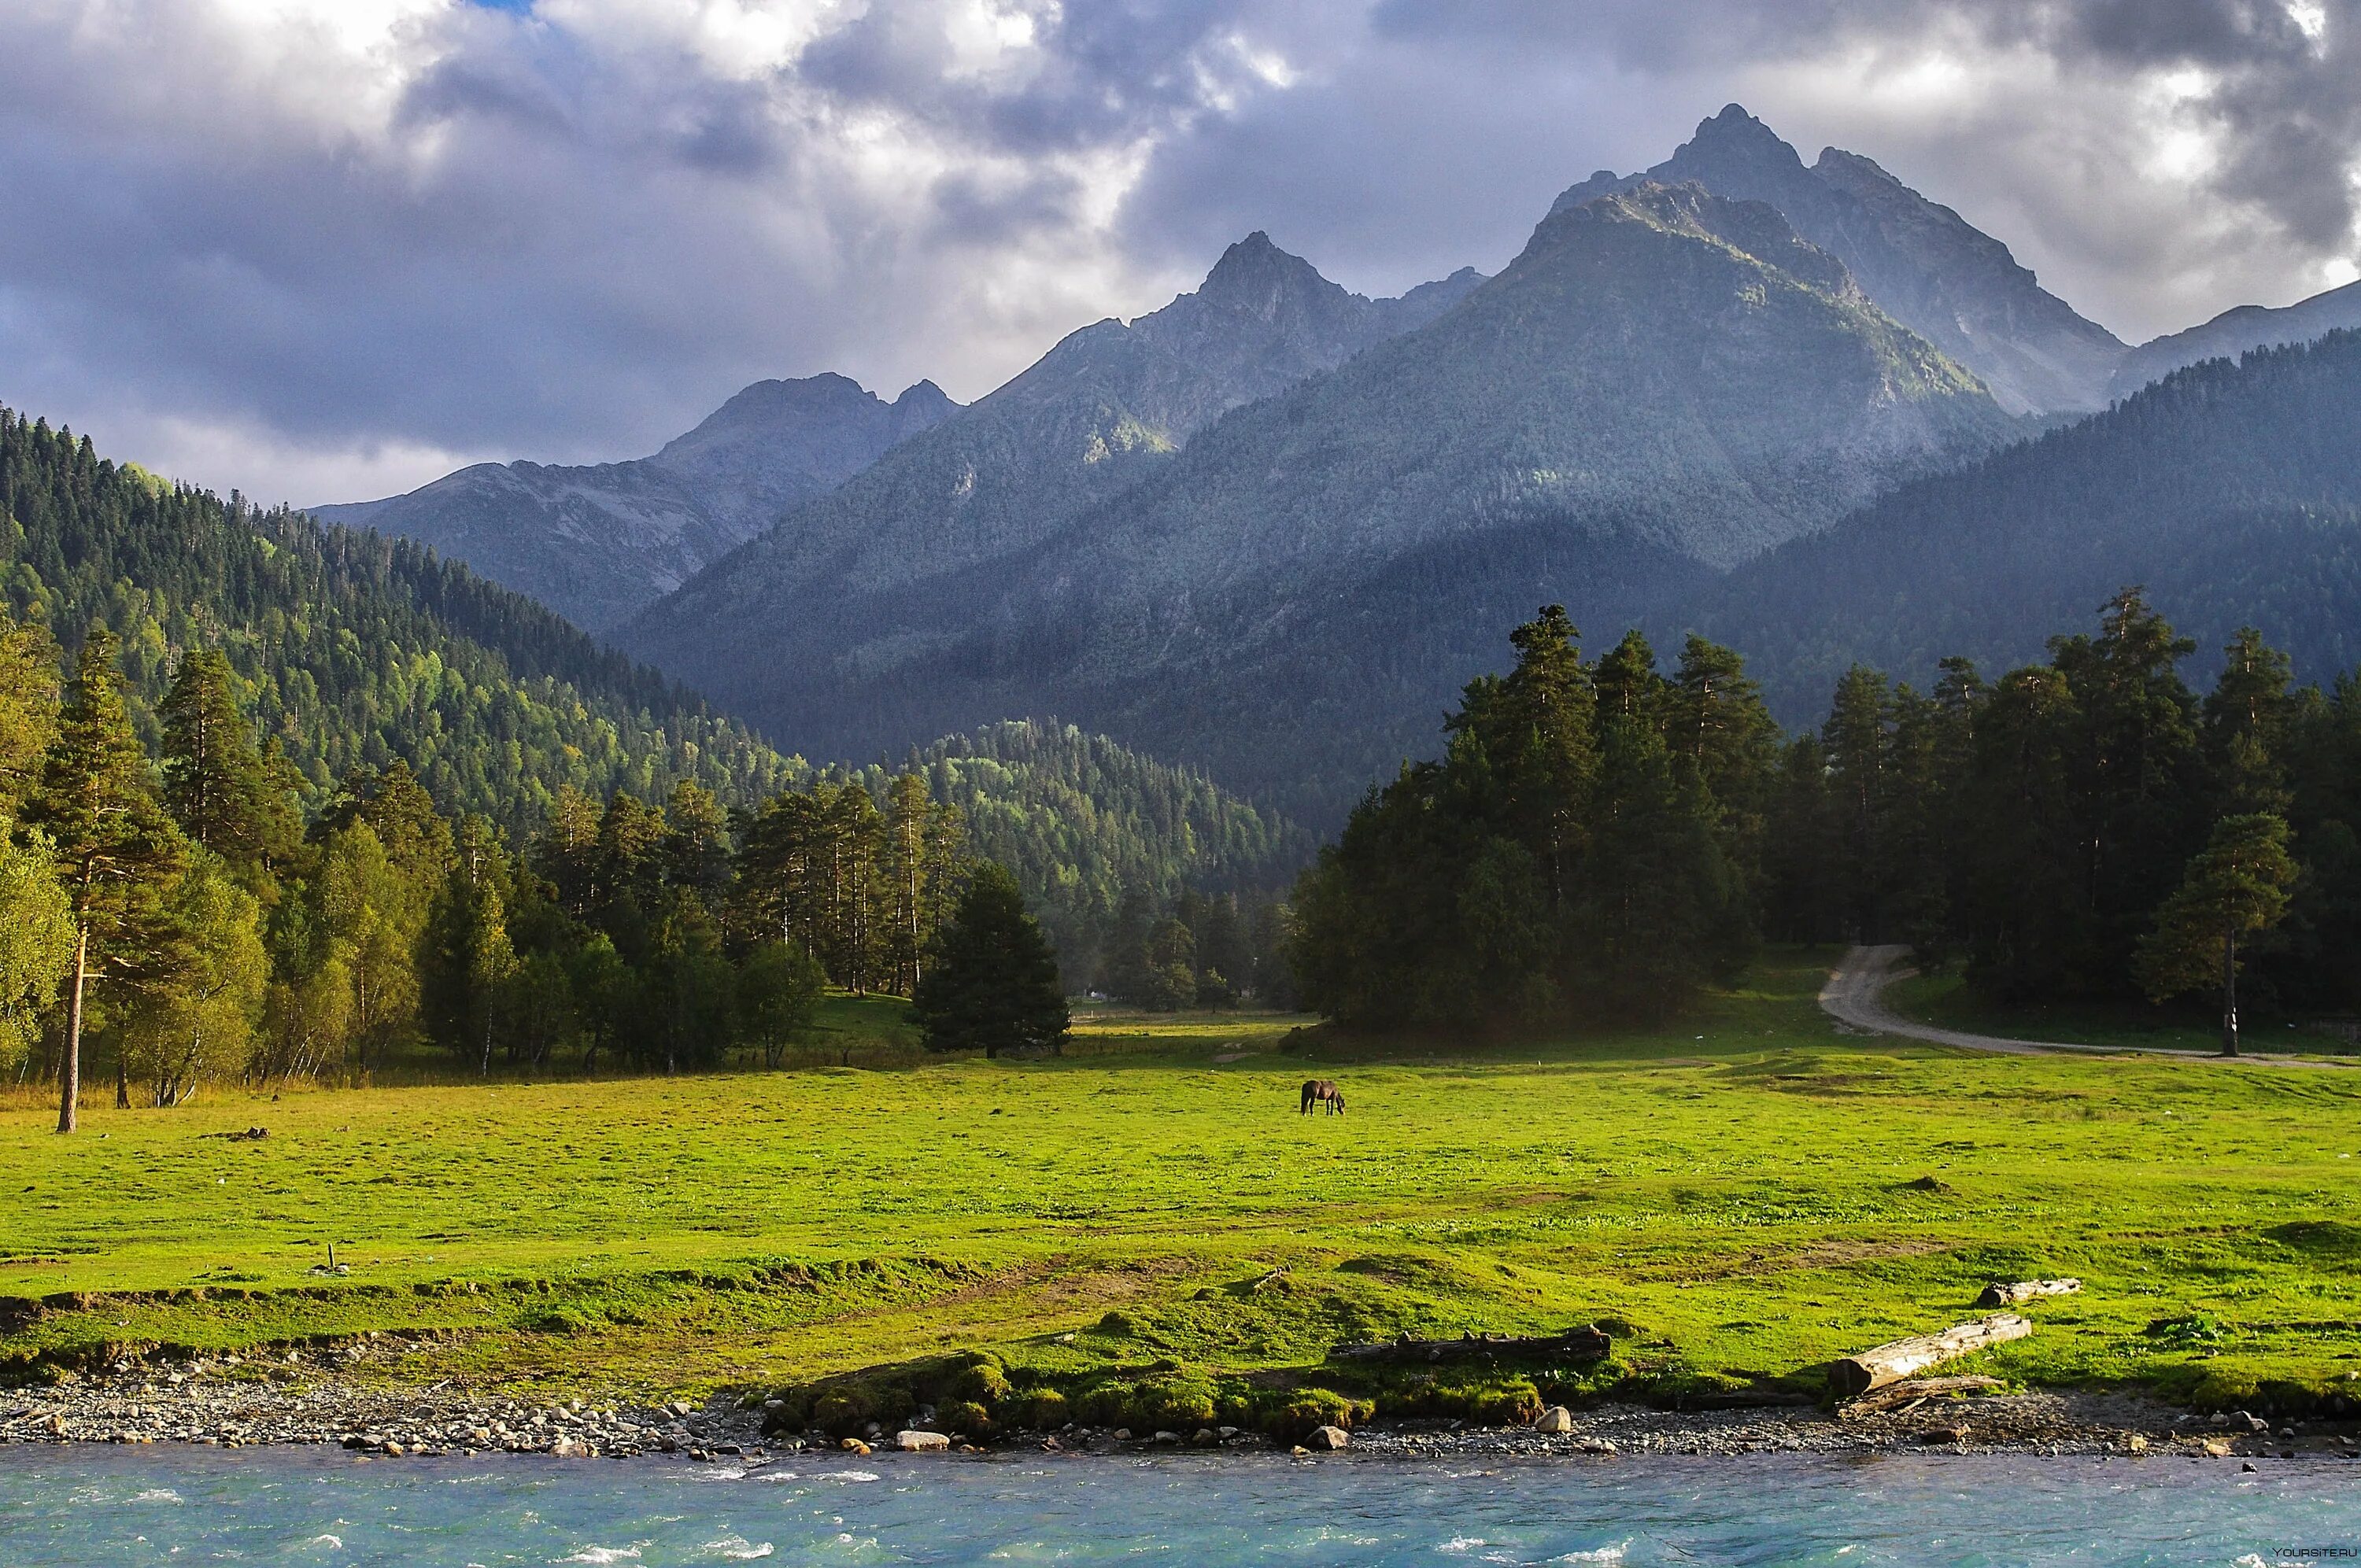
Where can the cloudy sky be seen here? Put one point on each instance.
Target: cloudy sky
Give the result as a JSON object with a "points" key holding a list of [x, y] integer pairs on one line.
{"points": [[327, 249]]}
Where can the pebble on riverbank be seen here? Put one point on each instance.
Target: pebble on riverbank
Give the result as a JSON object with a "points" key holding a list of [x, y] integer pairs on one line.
{"points": [[189, 1406]]}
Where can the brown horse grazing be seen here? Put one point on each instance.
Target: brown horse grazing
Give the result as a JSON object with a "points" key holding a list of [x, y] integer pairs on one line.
{"points": [[1317, 1090]]}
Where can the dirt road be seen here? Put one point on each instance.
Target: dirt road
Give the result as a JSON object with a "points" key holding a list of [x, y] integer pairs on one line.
{"points": [[1855, 995]]}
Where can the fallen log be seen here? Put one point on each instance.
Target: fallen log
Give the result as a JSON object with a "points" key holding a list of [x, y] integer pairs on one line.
{"points": [[1585, 1343], [1856, 1374], [1999, 1293], [1909, 1389]]}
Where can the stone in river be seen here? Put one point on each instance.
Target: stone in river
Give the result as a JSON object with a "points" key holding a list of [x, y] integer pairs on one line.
{"points": [[1329, 1440], [1558, 1418], [921, 1441]]}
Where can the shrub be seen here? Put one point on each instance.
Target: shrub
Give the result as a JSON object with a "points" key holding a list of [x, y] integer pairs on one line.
{"points": [[1042, 1410], [966, 1418], [978, 1378]]}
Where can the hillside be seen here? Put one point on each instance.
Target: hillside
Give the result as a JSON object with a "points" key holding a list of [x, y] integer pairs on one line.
{"points": [[1291, 599], [1924, 265], [1083, 821], [2233, 491], [596, 542], [360, 648]]}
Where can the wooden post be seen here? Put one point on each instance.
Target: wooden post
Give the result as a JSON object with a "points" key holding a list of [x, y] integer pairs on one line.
{"points": [[1897, 1359]]}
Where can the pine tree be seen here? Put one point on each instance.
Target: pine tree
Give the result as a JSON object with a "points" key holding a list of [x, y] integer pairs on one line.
{"points": [[115, 847], [1856, 741], [473, 959], [2246, 719], [218, 785], [993, 985], [2236, 886], [29, 712]]}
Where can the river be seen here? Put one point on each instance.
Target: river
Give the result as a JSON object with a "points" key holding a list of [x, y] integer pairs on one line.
{"points": [[66, 1506]]}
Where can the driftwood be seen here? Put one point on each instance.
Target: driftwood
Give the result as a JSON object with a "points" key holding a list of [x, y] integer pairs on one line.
{"points": [[1578, 1344], [2001, 1294], [1911, 1389], [1856, 1375]]}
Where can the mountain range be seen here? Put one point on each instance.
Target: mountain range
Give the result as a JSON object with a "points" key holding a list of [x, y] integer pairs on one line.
{"points": [[1270, 529], [1289, 598], [596, 543]]}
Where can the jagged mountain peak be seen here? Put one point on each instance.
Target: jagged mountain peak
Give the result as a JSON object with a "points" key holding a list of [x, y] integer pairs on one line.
{"points": [[1736, 131], [1258, 278], [1920, 262]]}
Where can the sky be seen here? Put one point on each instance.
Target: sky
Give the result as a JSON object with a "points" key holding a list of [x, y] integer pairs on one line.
{"points": [[322, 250]]}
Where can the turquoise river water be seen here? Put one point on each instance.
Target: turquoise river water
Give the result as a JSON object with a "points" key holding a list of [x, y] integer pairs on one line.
{"points": [[61, 1507]]}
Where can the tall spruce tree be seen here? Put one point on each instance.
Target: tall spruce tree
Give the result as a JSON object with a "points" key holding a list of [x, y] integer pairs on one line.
{"points": [[229, 796], [992, 985], [116, 849], [2236, 886]]}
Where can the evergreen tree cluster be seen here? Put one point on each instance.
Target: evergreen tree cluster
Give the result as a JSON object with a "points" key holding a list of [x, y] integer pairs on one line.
{"points": [[1602, 839], [1212, 950], [186, 919], [2088, 826], [1592, 842]]}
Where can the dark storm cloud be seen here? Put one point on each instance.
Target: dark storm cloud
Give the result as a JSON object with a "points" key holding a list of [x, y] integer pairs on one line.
{"points": [[321, 247], [2287, 97]]}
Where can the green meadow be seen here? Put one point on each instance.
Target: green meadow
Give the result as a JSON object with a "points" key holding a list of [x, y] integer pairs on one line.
{"points": [[1738, 1201]]}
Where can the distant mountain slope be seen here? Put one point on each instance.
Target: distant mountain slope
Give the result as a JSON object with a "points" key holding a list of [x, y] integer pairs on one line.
{"points": [[1662, 383], [2234, 332], [2233, 491], [1107, 405], [1086, 822], [1926, 266], [597, 542]]}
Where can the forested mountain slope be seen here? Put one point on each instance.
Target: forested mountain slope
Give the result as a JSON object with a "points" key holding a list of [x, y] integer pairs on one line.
{"points": [[1926, 266], [1662, 383], [2233, 491], [596, 542], [1106, 405], [360, 648]]}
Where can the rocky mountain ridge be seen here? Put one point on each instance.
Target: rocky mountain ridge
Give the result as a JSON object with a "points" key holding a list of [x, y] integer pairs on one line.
{"points": [[597, 542]]}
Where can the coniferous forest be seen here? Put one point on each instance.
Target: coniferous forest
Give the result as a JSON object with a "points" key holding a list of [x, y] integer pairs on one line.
{"points": [[1602, 838]]}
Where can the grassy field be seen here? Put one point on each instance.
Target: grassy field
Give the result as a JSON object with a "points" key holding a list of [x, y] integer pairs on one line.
{"points": [[1738, 1201]]}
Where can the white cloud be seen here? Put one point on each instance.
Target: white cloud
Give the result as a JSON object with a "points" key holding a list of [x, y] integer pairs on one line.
{"points": [[321, 248]]}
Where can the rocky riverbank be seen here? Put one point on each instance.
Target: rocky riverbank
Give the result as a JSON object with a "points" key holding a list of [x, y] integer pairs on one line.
{"points": [[233, 1404]]}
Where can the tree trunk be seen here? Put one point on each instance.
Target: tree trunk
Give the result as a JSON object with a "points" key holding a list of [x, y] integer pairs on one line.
{"points": [[70, 1071], [1891, 1363], [122, 1078], [2230, 991]]}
